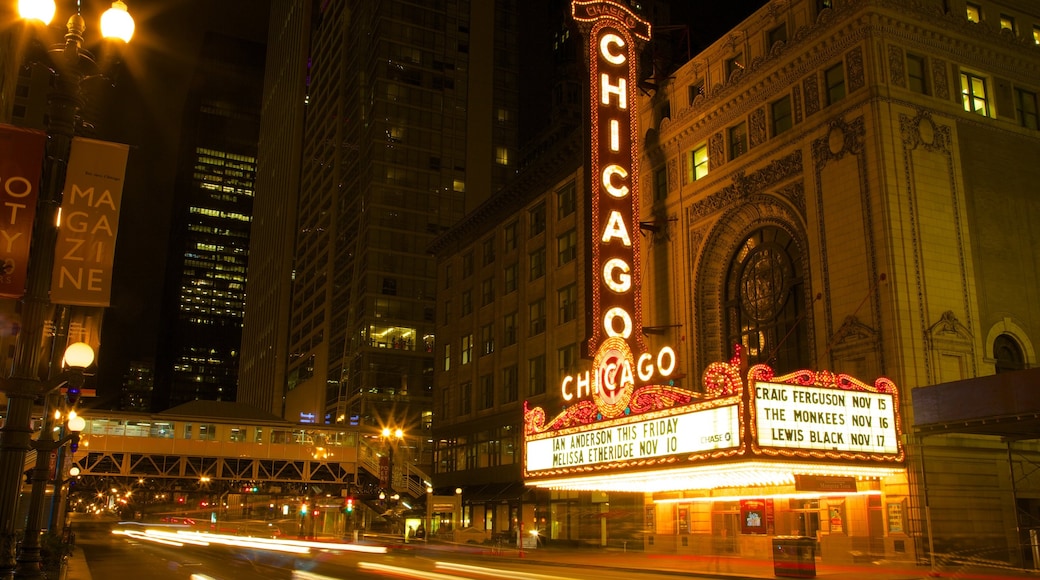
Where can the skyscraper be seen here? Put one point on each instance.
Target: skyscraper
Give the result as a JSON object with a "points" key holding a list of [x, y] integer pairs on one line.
{"points": [[273, 234], [209, 247], [410, 120]]}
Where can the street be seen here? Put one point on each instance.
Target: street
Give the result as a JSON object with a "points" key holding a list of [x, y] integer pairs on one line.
{"points": [[116, 555]]}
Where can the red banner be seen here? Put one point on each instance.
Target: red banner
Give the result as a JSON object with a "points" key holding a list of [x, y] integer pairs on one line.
{"points": [[21, 164], [86, 243]]}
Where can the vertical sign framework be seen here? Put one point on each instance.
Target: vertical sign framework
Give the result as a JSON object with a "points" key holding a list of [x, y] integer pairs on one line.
{"points": [[612, 32]]}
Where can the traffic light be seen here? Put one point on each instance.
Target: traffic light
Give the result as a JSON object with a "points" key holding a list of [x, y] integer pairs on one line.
{"points": [[350, 505], [303, 509]]}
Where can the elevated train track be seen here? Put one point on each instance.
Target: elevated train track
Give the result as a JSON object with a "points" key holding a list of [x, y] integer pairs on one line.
{"points": [[207, 454]]}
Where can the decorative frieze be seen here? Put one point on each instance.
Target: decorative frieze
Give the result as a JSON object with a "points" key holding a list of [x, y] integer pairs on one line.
{"points": [[744, 186]]}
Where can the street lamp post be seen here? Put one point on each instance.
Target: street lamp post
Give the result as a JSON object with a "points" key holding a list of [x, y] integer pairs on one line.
{"points": [[458, 516], [428, 526], [77, 359], [70, 64], [391, 438]]}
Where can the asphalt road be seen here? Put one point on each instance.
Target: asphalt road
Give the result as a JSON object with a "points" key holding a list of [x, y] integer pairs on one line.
{"points": [[130, 557]]}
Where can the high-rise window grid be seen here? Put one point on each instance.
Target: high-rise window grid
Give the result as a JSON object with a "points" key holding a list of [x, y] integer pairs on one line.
{"points": [[567, 247]]}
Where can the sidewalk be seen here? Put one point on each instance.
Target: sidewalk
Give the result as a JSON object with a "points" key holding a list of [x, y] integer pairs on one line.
{"points": [[77, 566], [744, 568]]}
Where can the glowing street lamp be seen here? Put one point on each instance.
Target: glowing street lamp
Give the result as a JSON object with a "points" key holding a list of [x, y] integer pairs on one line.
{"points": [[391, 438], [28, 561]]}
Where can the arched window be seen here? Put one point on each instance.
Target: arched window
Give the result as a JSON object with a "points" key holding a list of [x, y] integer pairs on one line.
{"points": [[765, 301], [1008, 354]]}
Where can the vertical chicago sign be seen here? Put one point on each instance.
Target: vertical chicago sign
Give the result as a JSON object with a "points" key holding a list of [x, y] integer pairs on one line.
{"points": [[613, 37], [622, 411]]}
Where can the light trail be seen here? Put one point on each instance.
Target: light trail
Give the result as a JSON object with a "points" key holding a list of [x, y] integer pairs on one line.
{"points": [[403, 572], [483, 571]]}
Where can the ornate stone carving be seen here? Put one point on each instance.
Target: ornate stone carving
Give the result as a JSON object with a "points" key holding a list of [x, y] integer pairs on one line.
{"points": [[812, 95], [854, 64], [745, 186], [776, 10], [796, 103], [795, 193], [852, 330], [716, 150], [673, 174], [940, 79], [949, 325], [757, 127], [922, 131], [896, 68], [842, 139]]}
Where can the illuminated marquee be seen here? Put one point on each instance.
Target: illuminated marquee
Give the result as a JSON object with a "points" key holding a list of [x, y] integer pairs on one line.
{"points": [[823, 414], [688, 433]]}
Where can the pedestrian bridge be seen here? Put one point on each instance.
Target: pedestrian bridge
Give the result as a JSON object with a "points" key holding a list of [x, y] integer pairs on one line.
{"points": [[203, 453]]}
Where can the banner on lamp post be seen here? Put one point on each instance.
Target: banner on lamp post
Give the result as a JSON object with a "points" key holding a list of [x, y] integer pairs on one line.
{"points": [[85, 249], [21, 164]]}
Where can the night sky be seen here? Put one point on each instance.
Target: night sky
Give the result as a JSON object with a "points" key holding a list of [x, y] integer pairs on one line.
{"points": [[710, 19]]}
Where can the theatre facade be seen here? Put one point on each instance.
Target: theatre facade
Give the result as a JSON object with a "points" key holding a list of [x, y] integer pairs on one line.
{"points": [[748, 455], [767, 285], [805, 307]]}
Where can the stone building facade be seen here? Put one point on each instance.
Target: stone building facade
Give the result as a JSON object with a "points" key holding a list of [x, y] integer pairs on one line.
{"points": [[843, 185]]}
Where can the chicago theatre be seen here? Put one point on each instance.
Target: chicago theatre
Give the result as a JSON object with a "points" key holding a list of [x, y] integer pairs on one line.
{"points": [[787, 289]]}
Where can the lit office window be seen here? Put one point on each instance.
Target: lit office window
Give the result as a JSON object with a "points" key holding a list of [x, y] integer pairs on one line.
{"points": [[467, 349], [1007, 23], [973, 94], [699, 163], [974, 12]]}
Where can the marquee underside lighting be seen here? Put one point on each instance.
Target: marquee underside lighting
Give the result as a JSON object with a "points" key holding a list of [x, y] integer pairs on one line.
{"points": [[804, 495], [749, 474]]}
